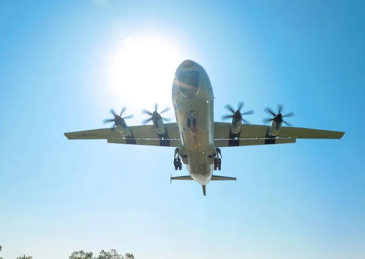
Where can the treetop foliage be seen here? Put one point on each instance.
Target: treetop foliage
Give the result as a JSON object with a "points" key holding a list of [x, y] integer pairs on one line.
{"points": [[112, 254]]}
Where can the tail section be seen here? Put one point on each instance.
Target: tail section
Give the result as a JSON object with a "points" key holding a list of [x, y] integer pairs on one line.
{"points": [[222, 178], [184, 178], [214, 178]]}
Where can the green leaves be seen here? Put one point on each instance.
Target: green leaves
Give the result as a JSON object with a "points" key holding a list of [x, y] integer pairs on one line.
{"points": [[24, 257], [129, 256], [112, 254], [81, 255]]}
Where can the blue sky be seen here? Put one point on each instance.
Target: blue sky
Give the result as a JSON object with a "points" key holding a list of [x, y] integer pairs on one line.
{"points": [[65, 64]]}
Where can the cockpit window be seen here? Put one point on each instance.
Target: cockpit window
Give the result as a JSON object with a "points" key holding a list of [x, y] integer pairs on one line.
{"points": [[188, 83]]}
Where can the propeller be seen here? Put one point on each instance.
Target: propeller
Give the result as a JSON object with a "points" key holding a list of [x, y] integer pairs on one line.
{"points": [[278, 117], [118, 119], [155, 116], [237, 115]]}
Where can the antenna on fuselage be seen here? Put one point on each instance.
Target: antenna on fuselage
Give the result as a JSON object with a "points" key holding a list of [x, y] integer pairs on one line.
{"points": [[204, 189]]}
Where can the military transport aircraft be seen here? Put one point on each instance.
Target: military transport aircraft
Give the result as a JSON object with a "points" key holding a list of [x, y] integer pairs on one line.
{"points": [[196, 137]]}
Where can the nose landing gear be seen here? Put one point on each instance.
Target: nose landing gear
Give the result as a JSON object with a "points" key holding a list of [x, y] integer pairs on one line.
{"points": [[218, 160], [192, 120], [177, 160]]}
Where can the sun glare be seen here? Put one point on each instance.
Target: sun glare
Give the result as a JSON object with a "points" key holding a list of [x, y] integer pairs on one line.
{"points": [[141, 72]]}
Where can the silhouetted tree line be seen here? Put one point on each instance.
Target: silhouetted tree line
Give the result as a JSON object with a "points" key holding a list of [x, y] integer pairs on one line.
{"points": [[112, 254]]}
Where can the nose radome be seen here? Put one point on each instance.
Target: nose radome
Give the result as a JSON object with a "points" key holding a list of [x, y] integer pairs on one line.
{"points": [[187, 63], [188, 83]]}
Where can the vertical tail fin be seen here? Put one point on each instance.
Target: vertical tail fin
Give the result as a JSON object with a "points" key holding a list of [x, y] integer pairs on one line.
{"points": [[204, 189]]}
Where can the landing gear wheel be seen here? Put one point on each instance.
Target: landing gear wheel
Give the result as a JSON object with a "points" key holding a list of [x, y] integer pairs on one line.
{"points": [[175, 164], [194, 123], [189, 123], [218, 160]]}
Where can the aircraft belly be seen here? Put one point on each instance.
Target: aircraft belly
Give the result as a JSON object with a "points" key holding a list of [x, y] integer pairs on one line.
{"points": [[199, 138], [200, 170]]}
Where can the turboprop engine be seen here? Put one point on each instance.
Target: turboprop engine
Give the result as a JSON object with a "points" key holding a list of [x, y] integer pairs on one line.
{"points": [[237, 117], [119, 123], [277, 121], [157, 119]]}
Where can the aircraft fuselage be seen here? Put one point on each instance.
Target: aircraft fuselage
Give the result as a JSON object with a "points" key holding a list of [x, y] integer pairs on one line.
{"points": [[193, 101]]}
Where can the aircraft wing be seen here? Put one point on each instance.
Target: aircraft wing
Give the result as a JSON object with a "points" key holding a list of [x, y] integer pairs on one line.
{"points": [[257, 135], [141, 135]]}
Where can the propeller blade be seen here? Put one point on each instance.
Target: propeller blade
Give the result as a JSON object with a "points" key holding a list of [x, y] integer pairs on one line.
{"points": [[288, 124], [245, 121], [146, 121], [270, 111], [225, 117], [165, 119], [113, 112], [240, 105], [165, 110], [147, 112], [248, 113], [123, 110], [280, 108], [229, 107], [113, 127], [156, 106], [268, 120], [289, 114], [109, 120], [128, 117]]}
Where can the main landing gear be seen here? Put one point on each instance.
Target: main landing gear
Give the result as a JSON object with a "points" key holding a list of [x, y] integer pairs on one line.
{"points": [[218, 159], [177, 160]]}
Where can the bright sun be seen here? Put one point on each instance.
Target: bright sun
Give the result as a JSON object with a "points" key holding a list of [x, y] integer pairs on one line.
{"points": [[141, 72]]}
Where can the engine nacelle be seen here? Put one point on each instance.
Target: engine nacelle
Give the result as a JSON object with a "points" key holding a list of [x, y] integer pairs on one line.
{"points": [[124, 130], [236, 126], [159, 127], [274, 128]]}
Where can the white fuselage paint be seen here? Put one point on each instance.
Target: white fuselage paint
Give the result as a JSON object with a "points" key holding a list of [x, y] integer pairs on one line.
{"points": [[196, 143]]}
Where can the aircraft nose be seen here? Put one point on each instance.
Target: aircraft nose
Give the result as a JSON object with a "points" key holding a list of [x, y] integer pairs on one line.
{"points": [[187, 63], [188, 83]]}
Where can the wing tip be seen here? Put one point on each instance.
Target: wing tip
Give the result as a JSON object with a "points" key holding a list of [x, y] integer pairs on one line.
{"points": [[342, 134]]}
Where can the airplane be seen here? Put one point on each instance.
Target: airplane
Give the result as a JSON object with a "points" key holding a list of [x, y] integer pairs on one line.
{"points": [[197, 138]]}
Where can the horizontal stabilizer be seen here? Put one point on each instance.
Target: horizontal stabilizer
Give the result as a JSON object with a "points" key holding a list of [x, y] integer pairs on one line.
{"points": [[184, 177], [222, 178]]}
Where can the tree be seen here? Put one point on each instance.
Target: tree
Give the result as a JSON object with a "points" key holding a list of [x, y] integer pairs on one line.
{"points": [[129, 256], [81, 255], [112, 254], [24, 257]]}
